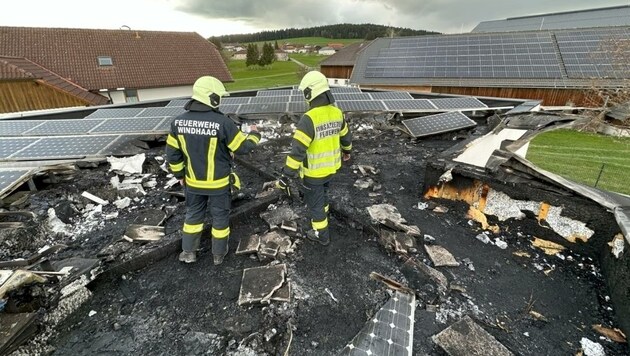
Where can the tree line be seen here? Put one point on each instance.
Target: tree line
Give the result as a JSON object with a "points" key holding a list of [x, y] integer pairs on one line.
{"points": [[357, 31]]}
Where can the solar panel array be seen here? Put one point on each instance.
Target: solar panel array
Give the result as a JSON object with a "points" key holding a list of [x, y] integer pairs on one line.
{"points": [[436, 124], [389, 332], [596, 53], [550, 55], [512, 55], [61, 147], [349, 99], [9, 177], [86, 126]]}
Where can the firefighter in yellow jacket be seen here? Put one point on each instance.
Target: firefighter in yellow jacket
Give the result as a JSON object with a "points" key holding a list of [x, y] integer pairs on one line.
{"points": [[199, 152], [320, 142]]}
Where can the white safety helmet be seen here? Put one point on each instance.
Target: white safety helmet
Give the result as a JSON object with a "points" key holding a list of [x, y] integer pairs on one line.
{"points": [[209, 90], [313, 84]]}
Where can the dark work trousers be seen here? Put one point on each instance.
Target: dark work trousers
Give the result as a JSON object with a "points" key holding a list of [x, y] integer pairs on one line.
{"points": [[196, 206], [316, 198]]}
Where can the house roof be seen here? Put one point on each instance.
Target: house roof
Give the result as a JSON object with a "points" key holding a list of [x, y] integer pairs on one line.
{"points": [[17, 68], [572, 58], [345, 56], [141, 59], [326, 49], [600, 17]]}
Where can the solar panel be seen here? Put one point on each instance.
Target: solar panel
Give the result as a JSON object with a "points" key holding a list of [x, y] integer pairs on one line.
{"points": [[234, 101], [177, 102], [229, 109], [128, 125], [262, 108], [393, 95], [458, 103], [297, 98], [65, 127], [269, 99], [111, 113], [16, 128], [298, 106], [65, 147], [389, 332], [279, 92], [165, 125], [9, 146], [9, 177], [155, 112], [361, 105], [345, 90], [413, 104], [352, 96], [440, 123]]}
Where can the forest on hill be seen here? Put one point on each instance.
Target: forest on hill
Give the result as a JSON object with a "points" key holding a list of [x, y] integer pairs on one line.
{"points": [[348, 31]]}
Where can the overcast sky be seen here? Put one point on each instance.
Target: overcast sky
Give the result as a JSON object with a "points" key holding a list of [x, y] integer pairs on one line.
{"points": [[220, 17]]}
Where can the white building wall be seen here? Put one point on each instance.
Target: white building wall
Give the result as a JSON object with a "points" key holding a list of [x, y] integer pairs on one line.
{"points": [[118, 96]]}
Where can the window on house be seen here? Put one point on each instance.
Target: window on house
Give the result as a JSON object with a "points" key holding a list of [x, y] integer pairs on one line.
{"points": [[131, 96], [105, 61]]}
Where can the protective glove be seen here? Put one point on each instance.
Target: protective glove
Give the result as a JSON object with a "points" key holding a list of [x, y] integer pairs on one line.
{"points": [[290, 186]]}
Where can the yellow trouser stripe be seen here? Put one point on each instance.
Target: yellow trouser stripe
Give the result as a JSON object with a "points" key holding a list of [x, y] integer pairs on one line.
{"points": [[320, 225], [213, 184], [302, 137], [220, 233], [344, 131], [346, 148], [253, 138], [193, 228], [293, 163], [326, 208], [212, 148], [176, 167], [237, 141], [172, 141], [190, 172]]}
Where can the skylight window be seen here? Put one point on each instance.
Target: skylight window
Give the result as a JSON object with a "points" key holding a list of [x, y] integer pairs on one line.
{"points": [[105, 61]]}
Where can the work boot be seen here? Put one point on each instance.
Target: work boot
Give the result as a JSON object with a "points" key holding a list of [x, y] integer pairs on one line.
{"points": [[188, 256], [314, 235], [218, 259]]}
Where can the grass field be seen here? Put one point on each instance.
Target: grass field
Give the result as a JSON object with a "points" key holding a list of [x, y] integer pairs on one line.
{"points": [[579, 156], [315, 41], [311, 60], [278, 74]]}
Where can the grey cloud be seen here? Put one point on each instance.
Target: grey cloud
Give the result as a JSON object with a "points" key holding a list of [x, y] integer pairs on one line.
{"points": [[437, 15]]}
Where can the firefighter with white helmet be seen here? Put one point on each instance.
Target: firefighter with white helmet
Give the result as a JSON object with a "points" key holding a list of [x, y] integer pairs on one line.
{"points": [[320, 142], [199, 152]]}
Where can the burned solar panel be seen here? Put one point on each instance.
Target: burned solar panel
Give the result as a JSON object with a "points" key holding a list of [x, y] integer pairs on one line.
{"points": [[234, 101], [391, 95], [114, 113], [458, 103], [143, 124], [352, 96], [263, 108], [65, 127], [11, 176], [360, 105], [9, 146], [65, 147], [435, 124], [177, 102], [413, 104], [389, 332], [155, 112], [269, 99], [17, 128]]}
